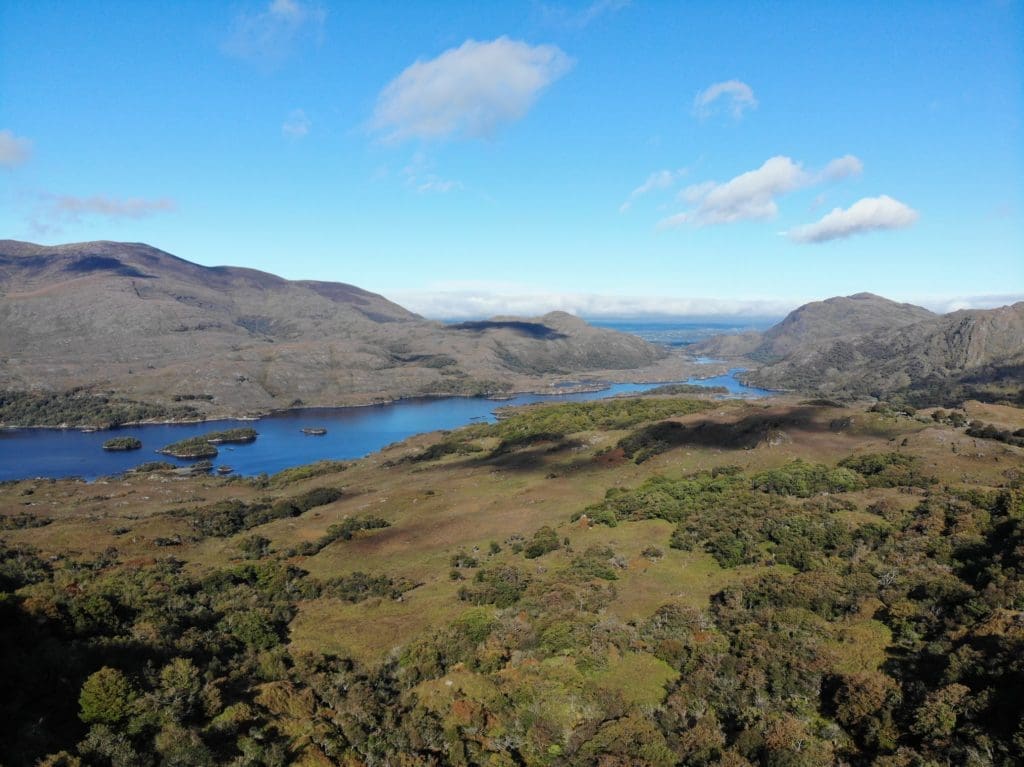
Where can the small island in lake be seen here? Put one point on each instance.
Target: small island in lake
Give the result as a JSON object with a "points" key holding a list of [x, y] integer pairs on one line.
{"points": [[204, 446], [193, 447], [235, 436], [122, 443]]}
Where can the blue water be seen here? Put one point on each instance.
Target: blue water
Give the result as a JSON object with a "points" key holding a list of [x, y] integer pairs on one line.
{"points": [[729, 381], [352, 432], [682, 334]]}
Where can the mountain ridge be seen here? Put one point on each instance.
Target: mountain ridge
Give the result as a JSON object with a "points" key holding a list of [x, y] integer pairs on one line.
{"points": [[137, 321], [866, 345]]}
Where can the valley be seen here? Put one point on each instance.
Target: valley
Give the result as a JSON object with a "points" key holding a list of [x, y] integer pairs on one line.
{"points": [[560, 584]]}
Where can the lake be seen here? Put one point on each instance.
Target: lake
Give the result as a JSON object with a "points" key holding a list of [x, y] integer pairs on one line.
{"points": [[352, 432]]}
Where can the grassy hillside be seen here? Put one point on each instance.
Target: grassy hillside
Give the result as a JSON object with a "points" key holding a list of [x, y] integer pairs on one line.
{"points": [[646, 581]]}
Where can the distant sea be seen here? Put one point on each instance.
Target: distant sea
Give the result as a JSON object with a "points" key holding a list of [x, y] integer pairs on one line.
{"points": [[686, 330]]}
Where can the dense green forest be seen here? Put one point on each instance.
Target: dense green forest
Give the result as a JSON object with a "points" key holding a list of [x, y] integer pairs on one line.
{"points": [[81, 407], [887, 633]]}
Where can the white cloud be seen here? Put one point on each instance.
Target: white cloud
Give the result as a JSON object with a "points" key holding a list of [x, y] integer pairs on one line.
{"points": [[841, 168], [58, 210], [467, 91], [269, 36], [753, 195], [13, 150], [567, 17], [750, 195], [660, 179], [867, 215], [739, 95], [297, 125]]}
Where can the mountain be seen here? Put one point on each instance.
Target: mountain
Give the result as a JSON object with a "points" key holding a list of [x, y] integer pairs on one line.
{"points": [[145, 324], [867, 345], [807, 327]]}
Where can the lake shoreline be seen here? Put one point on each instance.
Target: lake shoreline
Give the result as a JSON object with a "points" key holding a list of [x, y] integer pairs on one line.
{"points": [[357, 423], [550, 390]]}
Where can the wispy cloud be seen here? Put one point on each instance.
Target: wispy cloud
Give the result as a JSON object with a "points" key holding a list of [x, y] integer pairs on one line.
{"points": [[297, 125], [870, 214], [578, 18], [420, 176], [269, 36], [737, 96], [14, 150], [657, 181], [56, 211], [754, 194], [470, 91], [433, 184]]}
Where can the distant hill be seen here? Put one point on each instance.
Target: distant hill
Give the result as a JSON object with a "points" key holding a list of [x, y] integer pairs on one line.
{"points": [[810, 325], [867, 345], [140, 322]]}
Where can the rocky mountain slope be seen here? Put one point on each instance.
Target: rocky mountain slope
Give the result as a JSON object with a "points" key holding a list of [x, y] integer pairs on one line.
{"points": [[868, 345], [137, 321], [812, 324]]}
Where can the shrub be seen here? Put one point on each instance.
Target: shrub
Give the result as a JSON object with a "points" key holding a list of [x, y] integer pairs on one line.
{"points": [[888, 469], [358, 587], [499, 586], [299, 473], [228, 517], [594, 563], [463, 559], [543, 541], [342, 531], [804, 479]]}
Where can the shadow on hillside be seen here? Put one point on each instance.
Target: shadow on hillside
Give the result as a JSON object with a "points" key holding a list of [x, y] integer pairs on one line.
{"points": [[530, 329], [550, 451], [744, 434], [105, 263]]}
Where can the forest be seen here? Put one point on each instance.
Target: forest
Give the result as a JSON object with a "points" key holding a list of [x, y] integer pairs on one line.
{"points": [[717, 600]]}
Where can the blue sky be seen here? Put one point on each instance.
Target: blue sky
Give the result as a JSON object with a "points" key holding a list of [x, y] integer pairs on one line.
{"points": [[610, 158]]}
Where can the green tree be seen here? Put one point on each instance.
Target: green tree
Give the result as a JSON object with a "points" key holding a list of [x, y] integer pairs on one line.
{"points": [[106, 697], [180, 688]]}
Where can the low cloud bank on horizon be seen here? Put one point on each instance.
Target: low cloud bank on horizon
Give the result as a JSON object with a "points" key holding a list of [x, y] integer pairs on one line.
{"points": [[477, 304]]}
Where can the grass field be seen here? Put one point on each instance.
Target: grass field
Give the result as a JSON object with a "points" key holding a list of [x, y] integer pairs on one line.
{"points": [[436, 515]]}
